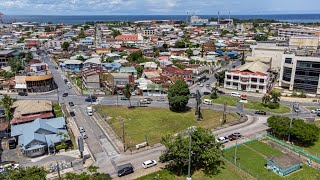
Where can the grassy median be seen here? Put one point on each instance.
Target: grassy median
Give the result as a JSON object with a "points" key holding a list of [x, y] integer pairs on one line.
{"points": [[154, 123], [252, 104]]}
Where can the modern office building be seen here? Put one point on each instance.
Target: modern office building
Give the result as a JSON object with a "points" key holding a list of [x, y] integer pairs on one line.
{"points": [[287, 33], [300, 69]]}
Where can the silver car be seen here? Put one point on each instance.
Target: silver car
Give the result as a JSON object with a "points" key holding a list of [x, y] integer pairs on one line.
{"points": [[81, 129], [84, 135]]}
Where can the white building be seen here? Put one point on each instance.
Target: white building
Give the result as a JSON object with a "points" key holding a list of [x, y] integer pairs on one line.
{"points": [[287, 33], [54, 43], [148, 32], [251, 77]]}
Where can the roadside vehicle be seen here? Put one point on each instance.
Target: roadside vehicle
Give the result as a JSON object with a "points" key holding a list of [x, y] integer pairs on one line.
{"points": [[206, 93], [207, 101], [296, 109], [315, 111], [91, 99], [84, 135], [222, 139], [90, 110], [234, 136], [198, 83], [149, 163], [125, 171], [161, 99], [221, 92], [201, 85], [12, 144], [148, 99], [72, 114], [81, 129], [124, 98], [235, 94], [120, 93], [23, 94], [65, 94], [260, 112], [207, 85], [71, 104]]}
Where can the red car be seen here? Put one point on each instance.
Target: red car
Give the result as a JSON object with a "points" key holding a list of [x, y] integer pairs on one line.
{"points": [[234, 136]]}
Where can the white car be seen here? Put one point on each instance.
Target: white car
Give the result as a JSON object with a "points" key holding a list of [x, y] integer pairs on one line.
{"points": [[84, 135], [81, 129], [316, 111], [201, 85], [235, 94], [222, 139], [149, 163]]}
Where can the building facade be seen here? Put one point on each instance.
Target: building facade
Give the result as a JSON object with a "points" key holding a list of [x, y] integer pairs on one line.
{"points": [[5, 56], [300, 70]]}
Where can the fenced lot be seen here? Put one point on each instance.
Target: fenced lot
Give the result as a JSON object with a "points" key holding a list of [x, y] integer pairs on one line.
{"points": [[251, 157]]}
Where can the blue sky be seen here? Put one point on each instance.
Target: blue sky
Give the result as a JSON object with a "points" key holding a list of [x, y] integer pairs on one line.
{"points": [[165, 7]]}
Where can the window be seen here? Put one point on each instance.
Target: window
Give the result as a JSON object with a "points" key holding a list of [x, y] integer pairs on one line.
{"points": [[228, 77], [235, 84], [288, 60], [254, 79], [236, 77], [228, 83], [261, 80], [253, 86], [261, 87]]}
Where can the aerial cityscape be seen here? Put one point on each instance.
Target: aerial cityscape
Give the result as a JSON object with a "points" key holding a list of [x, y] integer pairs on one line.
{"points": [[140, 89]]}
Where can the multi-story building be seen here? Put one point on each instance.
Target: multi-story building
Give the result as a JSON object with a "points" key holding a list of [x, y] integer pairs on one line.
{"points": [[118, 81], [5, 56], [41, 81], [54, 43], [251, 77], [287, 33], [148, 32], [300, 70], [91, 79]]}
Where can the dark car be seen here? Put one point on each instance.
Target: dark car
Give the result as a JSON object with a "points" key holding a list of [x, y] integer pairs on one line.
{"points": [[124, 98], [72, 114], [23, 94], [65, 94], [91, 99], [12, 144], [193, 95], [221, 92], [71, 104], [260, 112], [65, 81], [206, 93], [125, 171], [148, 99], [234, 136]]}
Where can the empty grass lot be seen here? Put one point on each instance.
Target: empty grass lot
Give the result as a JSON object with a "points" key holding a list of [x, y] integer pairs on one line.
{"points": [[252, 104], [251, 158], [228, 172], [154, 123]]}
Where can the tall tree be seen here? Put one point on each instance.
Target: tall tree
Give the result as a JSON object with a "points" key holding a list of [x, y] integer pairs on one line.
{"points": [[220, 77], [127, 93], [115, 33], [7, 102], [178, 95], [206, 152], [135, 56], [27, 173], [189, 52], [275, 95]]}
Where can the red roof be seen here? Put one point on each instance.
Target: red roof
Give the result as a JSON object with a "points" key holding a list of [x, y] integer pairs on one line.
{"points": [[176, 71], [31, 42], [127, 37], [30, 118]]}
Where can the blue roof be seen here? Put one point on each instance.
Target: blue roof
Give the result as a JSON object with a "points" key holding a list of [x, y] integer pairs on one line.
{"points": [[128, 70], [40, 130], [112, 65]]}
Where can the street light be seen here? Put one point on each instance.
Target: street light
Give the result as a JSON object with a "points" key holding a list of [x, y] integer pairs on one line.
{"points": [[190, 131]]}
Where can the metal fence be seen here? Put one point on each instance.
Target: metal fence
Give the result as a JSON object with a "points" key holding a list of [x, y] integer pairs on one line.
{"points": [[312, 157]]}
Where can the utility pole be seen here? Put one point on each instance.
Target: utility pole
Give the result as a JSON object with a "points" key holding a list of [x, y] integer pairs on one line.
{"points": [[189, 162], [58, 169]]}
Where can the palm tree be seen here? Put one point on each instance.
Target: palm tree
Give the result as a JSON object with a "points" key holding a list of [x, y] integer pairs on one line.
{"points": [[266, 99], [127, 93], [7, 102]]}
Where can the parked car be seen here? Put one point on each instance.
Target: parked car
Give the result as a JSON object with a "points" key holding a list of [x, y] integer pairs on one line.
{"points": [[65, 94], [148, 99], [124, 98], [71, 104], [260, 112], [91, 99], [161, 99], [120, 93], [235, 94], [84, 135], [12, 144], [72, 114], [149, 163], [201, 85], [125, 171], [296, 109], [206, 93], [81, 129], [198, 83], [23, 94], [221, 92], [207, 85], [315, 111], [222, 139], [234, 136]]}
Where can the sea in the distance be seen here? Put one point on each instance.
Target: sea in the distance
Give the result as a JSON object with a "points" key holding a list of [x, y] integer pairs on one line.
{"points": [[81, 19]]}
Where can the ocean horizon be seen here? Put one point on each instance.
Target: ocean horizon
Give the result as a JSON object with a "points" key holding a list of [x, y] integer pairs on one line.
{"points": [[81, 19]]}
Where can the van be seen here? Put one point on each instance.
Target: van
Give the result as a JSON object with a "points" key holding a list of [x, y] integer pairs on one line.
{"points": [[207, 101], [235, 94], [89, 111]]}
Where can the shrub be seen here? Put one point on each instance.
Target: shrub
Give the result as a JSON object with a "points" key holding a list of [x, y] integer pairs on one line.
{"points": [[273, 105]]}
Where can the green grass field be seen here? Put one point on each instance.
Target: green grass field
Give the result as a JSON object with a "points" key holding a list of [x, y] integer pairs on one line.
{"points": [[228, 172], [157, 122], [251, 158], [252, 104]]}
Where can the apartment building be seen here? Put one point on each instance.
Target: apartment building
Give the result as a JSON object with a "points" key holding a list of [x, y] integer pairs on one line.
{"points": [[148, 32], [301, 70], [250, 77], [118, 81], [54, 43], [287, 33]]}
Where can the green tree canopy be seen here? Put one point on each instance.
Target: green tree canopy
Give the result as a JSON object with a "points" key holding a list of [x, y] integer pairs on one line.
{"points": [[127, 93], [81, 34], [206, 152], [134, 57], [115, 33], [178, 95], [33, 172], [15, 64], [180, 44], [261, 37], [7, 102], [301, 132], [220, 77], [189, 52], [139, 70], [65, 45]]}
